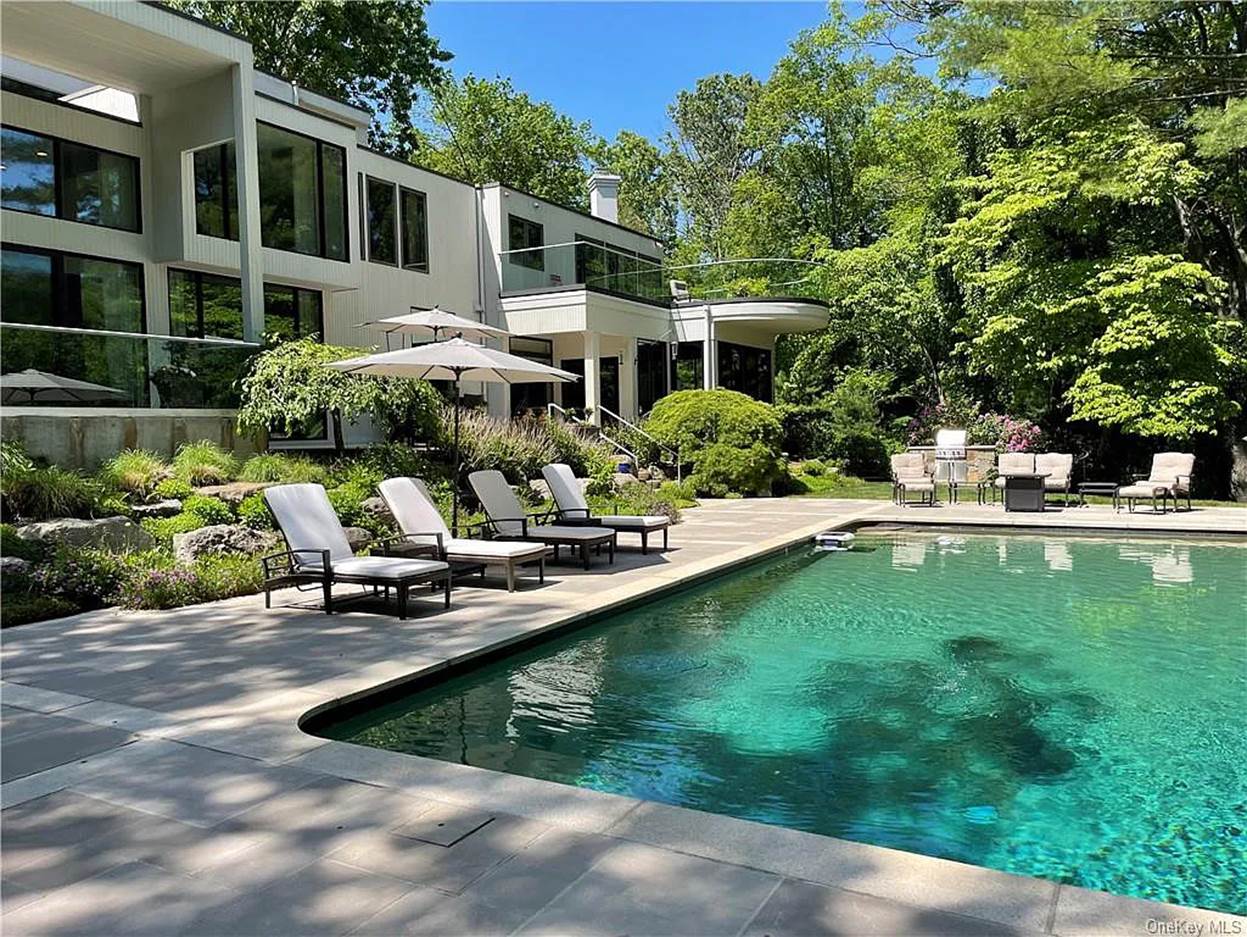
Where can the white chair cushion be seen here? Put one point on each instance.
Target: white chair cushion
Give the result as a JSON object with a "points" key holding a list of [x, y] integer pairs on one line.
{"points": [[414, 511], [1019, 463], [387, 567], [634, 521], [565, 489], [308, 522], [569, 533], [499, 501], [917, 485], [461, 548], [1142, 490]]}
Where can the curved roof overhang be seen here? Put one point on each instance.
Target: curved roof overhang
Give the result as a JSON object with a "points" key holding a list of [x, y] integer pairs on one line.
{"points": [[778, 315]]}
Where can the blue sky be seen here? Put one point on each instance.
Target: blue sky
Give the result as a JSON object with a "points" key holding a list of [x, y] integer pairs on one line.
{"points": [[617, 65]]}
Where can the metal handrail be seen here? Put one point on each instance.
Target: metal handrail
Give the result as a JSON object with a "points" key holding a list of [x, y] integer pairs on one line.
{"points": [[552, 408], [636, 429]]}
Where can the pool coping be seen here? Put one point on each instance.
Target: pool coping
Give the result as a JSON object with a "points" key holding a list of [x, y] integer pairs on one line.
{"points": [[1001, 898]]}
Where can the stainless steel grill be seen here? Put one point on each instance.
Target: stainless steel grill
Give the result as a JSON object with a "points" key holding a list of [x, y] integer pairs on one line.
{"points": [[950, 455]]}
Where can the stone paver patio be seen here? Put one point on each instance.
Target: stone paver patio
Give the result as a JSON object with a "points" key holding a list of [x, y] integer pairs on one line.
{"points": [[156, 781]]}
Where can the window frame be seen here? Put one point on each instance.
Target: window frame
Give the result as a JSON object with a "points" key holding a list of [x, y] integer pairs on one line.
{"points": [[58, 187], [229, 174], [295, 292], [427, 266], [515, 253], [197, 278], [396, 202], [59, 302], [322, 245]]}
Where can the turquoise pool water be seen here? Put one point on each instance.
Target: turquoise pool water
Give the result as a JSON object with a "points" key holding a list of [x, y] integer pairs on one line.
{"points": [[1061, 707]]}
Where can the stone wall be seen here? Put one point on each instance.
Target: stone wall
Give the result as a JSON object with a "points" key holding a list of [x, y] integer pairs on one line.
{"points": [[83, 438]]}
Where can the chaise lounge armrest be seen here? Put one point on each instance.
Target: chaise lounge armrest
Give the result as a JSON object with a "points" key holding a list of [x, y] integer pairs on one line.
{"points": [[388, 543], [292, 564]]}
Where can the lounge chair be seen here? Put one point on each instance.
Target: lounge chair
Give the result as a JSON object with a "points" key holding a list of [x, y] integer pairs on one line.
{"points": [[508, 521], [1011, 463], [317, 551], [572, 507], [909, 474], [421, 523], [1058, 466], [1170, 477]]}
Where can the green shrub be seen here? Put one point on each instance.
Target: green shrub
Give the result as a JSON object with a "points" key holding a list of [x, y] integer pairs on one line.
{"points": [[208, 509], [724, 469], [13, 545], [89, 578], [133, 471], [692, 420], [163, 528], [681, 494], [169, 587], [13, 459], [226, 575], [41, 493], [20, 608], [204, 463], [173, 488], [253, 512], [813, 467], [860, 452], [279, 467]]}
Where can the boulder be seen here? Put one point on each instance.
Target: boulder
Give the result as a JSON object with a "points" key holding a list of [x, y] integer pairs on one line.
{"points": [[357, 537], [376, 506], [119, 534], [233, 492], [166, 508], [620, 479], [541, 488], [219, 538], [14, 566]]}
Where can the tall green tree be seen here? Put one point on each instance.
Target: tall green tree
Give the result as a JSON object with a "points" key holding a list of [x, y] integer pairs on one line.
{"points": [[647, 198], [378, 55], [486, 131]]}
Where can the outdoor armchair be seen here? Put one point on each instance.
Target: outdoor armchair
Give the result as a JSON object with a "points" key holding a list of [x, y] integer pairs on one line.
{"points": [[1011, 463], [909, 474], [420, 522], [508, 520], [1058, 466], [569, 499], [317, 551], [1170, 477]]}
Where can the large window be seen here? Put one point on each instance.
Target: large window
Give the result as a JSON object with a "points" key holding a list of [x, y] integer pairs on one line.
{"points": [[46, 176], [414, 219], [521, 234], [687, 366], [302, 193], [531, 396], [216, 192], [78, 305], [291, 312], [202, 305], [382, 215], [745, 369]]}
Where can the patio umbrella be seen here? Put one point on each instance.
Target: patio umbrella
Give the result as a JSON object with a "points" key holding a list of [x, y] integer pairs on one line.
{"points": [[437, 322], [52, 388], [454, 360]]}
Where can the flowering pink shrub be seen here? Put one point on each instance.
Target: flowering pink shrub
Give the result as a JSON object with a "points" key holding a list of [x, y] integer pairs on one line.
{"points": [[1006, 433], [1009, 434]]}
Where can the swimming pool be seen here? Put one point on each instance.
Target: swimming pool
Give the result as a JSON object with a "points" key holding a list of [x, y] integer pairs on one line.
{"points": [[1063, 707]]}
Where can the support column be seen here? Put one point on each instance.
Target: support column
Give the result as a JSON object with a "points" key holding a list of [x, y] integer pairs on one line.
{"points": [[709, 356], [247, 172], [593, 377], [628, 380]]}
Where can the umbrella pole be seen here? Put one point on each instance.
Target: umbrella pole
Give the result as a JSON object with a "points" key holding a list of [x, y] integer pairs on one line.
{"points": [[454, 497]]}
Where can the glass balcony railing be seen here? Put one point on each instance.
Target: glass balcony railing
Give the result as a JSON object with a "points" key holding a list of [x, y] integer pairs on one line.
{"points": [[593, 266], [126, 370]]}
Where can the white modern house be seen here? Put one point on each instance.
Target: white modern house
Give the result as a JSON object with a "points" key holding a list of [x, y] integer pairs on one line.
{"points": [[165, 206]]}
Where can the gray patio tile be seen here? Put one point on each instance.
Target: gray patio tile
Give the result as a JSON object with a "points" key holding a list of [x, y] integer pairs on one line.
{"points": [[1080, 911], [641, 890], [425, 912], [58, 742], [193, 785], [130, 899], [15, 722], [63, 776], [89, 683], [14, 896], [322, 898], [954, 887], [121, 716], [450, 868], [37, 698], [801, 909]]}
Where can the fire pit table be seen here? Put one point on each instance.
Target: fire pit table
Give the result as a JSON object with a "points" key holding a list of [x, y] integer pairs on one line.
{"points": [[1025, 492]]}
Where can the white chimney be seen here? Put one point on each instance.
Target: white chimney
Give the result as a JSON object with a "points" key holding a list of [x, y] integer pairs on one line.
{"points": [[604, 196]]}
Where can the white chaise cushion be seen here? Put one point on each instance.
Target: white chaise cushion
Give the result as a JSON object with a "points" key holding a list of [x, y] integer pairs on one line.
{"points": [[635, 521], [564, 532], [565, 490], [1142, 490], [461, 548], [412, 507], [387, 567], [308, 522]]}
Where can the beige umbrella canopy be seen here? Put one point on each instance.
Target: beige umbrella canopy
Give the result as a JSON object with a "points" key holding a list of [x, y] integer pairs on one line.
{"points": [[454, 360], [31, 386], [436, 322]]}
